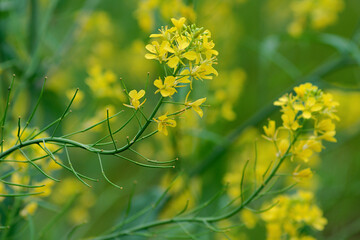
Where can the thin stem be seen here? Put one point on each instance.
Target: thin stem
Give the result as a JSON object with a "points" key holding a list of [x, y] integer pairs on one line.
{"points": [[242, 181], [202, 219], [219, 151], [18, 132], [116, 131], [66, 110], [103, 173], [34, 110], [142, 164], [92, 126], [72, 168], [5, 113], [109, 128], [46, 128], [37, 167], [10, 218]]}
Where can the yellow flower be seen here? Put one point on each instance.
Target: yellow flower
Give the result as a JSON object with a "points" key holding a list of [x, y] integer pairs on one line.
{"points": [[315, 218], [310, 106], [319, 13], [178, 23], [302, 89], [157, 51], [327, 130], [163, 122], [249, 218], [165, 33], [282, 101], [103, 83], [179, 51], [166, 89], [303, 174], [195, 105], [200, 72], [283, 147], [135, 97], [29, 209], [291, 214], [208, 46], [289, 120], [193, 46], [270, 131], [47, 189], [306, 148]]}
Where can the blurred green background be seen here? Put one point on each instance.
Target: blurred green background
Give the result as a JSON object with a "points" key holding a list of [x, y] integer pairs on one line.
{"points": [[264, 51]]}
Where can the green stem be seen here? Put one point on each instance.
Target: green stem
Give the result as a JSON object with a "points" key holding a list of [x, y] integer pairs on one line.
{"points": [[5, 113], [218, 152], [10, 218], [84, 146], [205, 219]]}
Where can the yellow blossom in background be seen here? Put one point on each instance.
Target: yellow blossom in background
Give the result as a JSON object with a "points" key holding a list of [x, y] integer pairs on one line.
{"points": [[147, 10], [227, 90], [347, 100], [305, 149], [325, 129], [96, 22], [290, 214], [78, 98], [71, 189], [302, 174], [135, 97], [249, 218], [103, 84], [100, 115], [2, 191], [164, 122], [182, 191], [47, 189], [79, 215], [318, 14], [29, 209]]}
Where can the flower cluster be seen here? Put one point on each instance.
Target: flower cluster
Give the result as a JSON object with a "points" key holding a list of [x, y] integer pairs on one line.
{"points": [[186, 46], [188, 52], [320, 13], [291, 214], [309, 112]]}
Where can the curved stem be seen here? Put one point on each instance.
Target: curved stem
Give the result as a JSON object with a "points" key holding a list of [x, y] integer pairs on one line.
{"points": [[206, 219], [82, 145], [218, 151]]}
